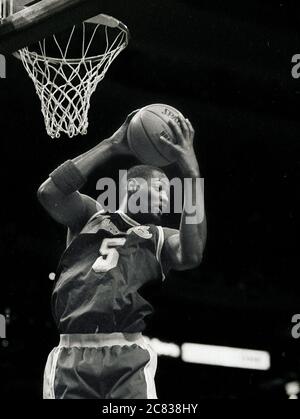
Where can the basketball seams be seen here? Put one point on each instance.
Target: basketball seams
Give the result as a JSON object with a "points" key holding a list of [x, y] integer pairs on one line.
{"points": [[161, 118], [158, 115], [150, 108], [149, 138], [136, 152], [151, 122], [175, 111]]}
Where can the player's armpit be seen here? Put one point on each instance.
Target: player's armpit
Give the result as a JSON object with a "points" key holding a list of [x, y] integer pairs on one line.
{"points": [[73, 210]]}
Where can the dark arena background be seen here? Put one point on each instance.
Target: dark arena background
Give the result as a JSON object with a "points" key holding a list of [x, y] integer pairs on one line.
{"points": [[227, 65]]}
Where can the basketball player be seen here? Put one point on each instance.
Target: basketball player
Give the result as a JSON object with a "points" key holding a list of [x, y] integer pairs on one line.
{"points": [[96, 301]]}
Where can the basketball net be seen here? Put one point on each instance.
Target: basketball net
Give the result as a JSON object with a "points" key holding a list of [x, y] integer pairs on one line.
{"points": [[65, 85]]}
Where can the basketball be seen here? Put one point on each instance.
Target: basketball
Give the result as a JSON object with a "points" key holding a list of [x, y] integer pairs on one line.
{"points": [[144, 133]]}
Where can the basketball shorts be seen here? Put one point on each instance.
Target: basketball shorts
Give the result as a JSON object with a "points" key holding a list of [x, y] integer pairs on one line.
{"points": [[101, 366]]}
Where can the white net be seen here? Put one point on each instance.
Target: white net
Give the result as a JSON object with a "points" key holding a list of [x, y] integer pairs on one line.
{"points": [[65, 85]]}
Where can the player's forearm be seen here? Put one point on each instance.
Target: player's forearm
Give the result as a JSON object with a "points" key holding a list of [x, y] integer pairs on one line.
{"points": [[59, 194], [193, 230], [95, 158], [66, 179]]}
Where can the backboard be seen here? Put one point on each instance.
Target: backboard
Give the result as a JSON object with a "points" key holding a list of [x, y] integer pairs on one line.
{"points": [[32, 21]]}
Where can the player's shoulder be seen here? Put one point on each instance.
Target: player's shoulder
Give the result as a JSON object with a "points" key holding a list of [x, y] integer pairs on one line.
{"points": [[99, 215]]}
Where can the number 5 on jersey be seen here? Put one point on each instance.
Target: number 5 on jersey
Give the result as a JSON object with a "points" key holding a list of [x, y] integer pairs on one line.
{"points": [[109, 255]]}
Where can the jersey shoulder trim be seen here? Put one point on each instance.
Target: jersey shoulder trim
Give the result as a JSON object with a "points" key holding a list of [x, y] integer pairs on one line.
{"points": [[96, 215], [160, 243], [127, 219]]}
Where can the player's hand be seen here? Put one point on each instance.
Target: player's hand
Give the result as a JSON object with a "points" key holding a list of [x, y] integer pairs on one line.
{"points": [[182, 148], [119, 138]]}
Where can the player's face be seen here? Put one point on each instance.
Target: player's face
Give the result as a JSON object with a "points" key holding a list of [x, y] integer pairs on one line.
{"points": [[158, 195], [154, 193]]}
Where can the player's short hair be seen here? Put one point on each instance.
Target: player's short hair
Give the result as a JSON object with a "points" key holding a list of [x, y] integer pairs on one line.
{"points": [[144, 172]]}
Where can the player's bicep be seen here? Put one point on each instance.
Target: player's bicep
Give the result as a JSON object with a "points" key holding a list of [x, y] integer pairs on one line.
{"points": [[91, 207], [72, 210]]}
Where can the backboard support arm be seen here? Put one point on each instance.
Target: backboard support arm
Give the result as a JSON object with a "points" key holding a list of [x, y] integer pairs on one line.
{"points": [[42, 19]]}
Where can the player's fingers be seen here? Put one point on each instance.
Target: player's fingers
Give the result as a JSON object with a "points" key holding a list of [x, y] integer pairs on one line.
{"points": [[166, 140], [191, 129], [177, 131], [184, 126], [131, 115]]}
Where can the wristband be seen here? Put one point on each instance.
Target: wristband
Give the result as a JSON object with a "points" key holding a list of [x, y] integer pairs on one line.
{"points": [[67, 178]]}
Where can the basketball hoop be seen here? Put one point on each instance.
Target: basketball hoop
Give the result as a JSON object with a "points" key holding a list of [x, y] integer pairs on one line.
{"points": [[65, 84]]}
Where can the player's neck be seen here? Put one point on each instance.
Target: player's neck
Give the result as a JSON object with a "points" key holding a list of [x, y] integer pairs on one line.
{"points": [[140, 218], [124, 209]]}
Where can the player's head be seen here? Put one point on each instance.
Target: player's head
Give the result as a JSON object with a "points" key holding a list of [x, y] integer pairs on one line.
{"points": [[147, 193]]}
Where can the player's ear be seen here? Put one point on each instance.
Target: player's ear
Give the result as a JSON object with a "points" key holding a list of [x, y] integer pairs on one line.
{"points": [[132, 186]]}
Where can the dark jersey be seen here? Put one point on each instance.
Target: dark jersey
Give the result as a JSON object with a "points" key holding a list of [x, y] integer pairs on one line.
{"points": [[101, 273]]}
